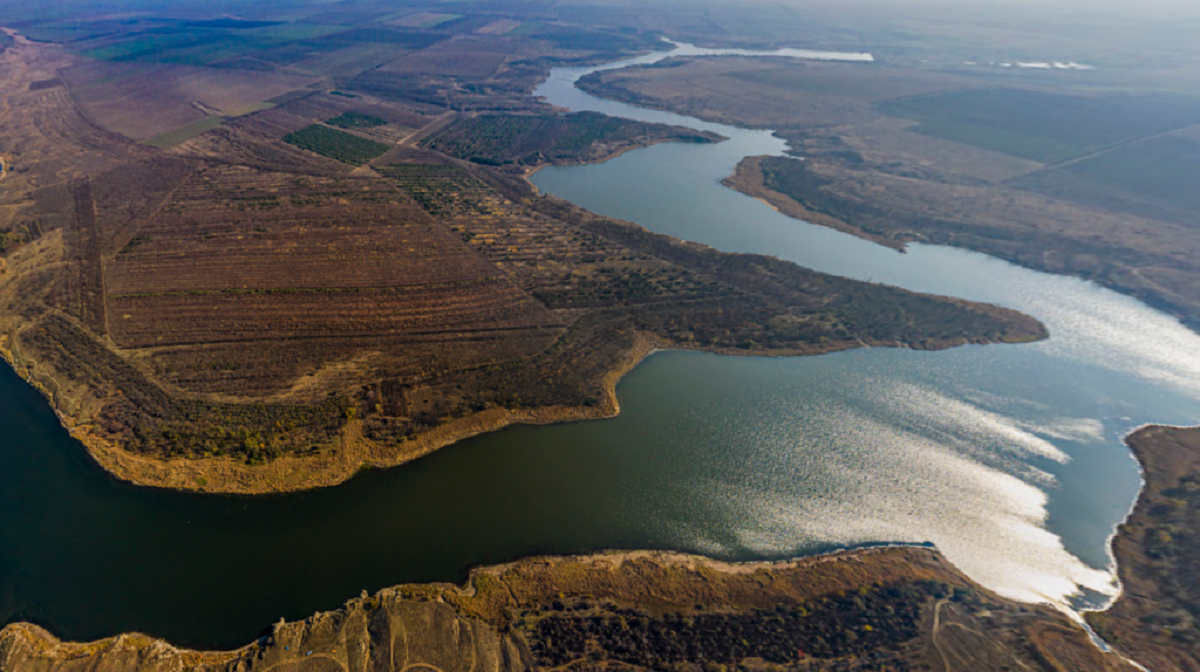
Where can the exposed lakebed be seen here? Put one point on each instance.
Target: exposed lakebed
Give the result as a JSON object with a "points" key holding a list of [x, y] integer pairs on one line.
{"points": [[1008, 457]]}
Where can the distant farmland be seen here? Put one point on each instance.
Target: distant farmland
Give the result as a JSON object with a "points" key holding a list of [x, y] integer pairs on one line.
{"points": [[1154, 178], [1045, 127]]}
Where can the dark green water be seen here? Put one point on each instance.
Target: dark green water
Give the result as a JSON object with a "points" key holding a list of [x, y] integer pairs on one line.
{"points": [[1007, 457]]}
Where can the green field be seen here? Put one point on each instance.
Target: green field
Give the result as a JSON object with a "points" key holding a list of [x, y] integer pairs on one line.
{"points": [[336, 144], [1044, 127], [68, 31], [234, 43], [356, 120], [184, 133], [1154, 178]]}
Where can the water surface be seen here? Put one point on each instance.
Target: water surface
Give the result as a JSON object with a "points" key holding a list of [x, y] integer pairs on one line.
{"points": [[1008, 457]]}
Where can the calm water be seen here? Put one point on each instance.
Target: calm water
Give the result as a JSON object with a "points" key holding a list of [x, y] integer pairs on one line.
{"points": [[1008, 457]]}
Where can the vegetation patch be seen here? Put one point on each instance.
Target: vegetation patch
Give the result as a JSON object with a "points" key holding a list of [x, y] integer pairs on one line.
{"points": [[356, 120], [498, 139], [185, 133], [834, 627], [336, 144]]}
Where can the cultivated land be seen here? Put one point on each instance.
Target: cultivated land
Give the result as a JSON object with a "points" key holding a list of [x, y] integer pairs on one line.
{"points": [[336, 280], [1062, 179], [895, 609]]}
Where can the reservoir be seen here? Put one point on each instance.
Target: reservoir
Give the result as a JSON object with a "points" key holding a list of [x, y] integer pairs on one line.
{"points": [[1008, 457]]}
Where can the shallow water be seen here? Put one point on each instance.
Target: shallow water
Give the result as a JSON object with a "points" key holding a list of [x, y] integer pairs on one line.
{"points": [[1008, 456]]}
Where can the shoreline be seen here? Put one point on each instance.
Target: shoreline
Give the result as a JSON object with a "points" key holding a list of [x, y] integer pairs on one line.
{"points": [[1166, 455], [476, 575], [355, 453], [655, 582], [350, 452], [228, 476], [35, 637], [530, 171]]}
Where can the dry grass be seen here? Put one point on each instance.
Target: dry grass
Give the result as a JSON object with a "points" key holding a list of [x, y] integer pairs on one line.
{"points": [[142, 101]]}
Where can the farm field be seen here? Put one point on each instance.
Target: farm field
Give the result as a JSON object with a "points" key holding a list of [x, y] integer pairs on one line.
{"points": [[766, 93], [1044, 127], [336, 144], [142, 101], [472, 58], [350, 60], [422, 19], [185, 133], [1151, 178]]}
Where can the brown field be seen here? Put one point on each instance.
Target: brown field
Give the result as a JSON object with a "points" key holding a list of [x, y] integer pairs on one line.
{"points": [[141, 101], [230, 229], [188, 318], [242, 255], [462, 57], [499, 27], [351, 60], [46, 141]]}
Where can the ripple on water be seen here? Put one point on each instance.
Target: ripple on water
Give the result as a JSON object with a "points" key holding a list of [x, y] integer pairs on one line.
{"points": [[1006, 457]]}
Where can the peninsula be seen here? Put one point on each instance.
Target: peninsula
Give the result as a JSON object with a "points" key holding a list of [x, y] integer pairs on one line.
{"points": [[287, 289]]}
